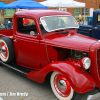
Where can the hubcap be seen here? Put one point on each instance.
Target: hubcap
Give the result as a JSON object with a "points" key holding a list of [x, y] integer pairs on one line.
{"points": [[62, 86], [4, 50]]}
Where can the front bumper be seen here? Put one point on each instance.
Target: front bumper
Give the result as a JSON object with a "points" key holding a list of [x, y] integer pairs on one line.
{"points": [[94, 97]]}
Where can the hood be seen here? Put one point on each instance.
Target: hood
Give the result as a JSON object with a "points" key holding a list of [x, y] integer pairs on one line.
{"points": [[72, 41]]}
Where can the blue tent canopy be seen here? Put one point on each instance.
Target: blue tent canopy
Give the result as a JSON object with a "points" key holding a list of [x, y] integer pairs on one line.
{"points": [[26, 4], [2, 4]]}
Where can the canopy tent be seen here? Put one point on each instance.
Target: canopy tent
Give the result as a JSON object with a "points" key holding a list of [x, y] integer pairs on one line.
{"points": [[26, 4], [63, 3], [78, 4], [2, 4]]}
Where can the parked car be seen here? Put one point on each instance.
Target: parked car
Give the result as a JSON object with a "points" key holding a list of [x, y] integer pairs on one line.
{"points": [[50, 45], [92, 30]]}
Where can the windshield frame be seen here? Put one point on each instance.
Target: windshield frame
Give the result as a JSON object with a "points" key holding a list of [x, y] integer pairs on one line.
{"points": [[59, 28]]}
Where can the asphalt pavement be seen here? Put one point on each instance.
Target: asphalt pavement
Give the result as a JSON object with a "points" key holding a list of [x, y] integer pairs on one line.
{"points": [[14, 86]]}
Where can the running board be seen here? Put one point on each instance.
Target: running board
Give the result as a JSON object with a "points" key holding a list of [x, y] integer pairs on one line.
{"points": [[17, 68]]}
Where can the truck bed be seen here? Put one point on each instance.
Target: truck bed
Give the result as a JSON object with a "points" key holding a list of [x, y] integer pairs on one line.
{"points": [[6, 32]]}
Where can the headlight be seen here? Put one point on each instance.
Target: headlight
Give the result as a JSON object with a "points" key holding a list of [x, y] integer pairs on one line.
{"points": [[85, 63]]}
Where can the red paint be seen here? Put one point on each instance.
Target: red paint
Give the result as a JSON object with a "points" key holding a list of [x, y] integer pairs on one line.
{"points": [[47, 52], [7, 32], [72, 41], [80, 80]]}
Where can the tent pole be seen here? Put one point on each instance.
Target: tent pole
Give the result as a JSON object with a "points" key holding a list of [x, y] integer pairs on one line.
{"points": [[1, 16], [84, 14]]}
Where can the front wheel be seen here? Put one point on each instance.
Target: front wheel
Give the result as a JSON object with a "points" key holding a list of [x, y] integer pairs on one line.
{"points": [[61, 87]]}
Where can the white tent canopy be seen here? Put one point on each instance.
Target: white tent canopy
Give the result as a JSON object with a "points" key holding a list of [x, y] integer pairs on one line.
{"points": [[78, 4], [63, 3]]}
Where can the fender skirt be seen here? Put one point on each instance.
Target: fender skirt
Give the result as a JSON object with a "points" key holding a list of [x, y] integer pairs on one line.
{"points": [[80, 80]]}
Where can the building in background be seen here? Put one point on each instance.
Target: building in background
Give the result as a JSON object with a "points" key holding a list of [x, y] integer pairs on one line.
{"points": [[88, 10], [78, 12]]}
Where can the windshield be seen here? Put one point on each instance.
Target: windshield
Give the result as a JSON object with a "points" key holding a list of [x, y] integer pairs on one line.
{"points": [[52, 23]]}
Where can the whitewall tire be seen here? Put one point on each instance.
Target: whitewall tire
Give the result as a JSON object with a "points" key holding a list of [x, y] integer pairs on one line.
{"points": [[61, 87]]}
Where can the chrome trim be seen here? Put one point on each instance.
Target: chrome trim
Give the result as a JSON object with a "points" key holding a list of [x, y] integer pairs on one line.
{"points": [[93, 97], [62, 85], [3, 50]]}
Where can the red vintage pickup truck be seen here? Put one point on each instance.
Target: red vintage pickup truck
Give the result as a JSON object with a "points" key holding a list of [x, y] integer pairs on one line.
{"points": [[48, 44]]}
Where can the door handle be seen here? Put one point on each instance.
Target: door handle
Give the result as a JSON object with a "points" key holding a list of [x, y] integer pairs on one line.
{"points": [[15, 40]]}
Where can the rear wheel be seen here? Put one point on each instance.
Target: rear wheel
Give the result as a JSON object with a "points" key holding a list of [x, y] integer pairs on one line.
{"points": [[6, 50], [61, 87]]}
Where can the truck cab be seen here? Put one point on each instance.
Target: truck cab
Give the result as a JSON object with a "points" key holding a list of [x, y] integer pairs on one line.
{"points": [[92, 30]]}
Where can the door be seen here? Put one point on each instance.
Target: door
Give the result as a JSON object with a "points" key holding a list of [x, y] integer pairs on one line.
{"points": [[26, 44]]}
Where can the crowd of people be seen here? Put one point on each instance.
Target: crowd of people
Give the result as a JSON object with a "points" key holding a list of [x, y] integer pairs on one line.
{"points": [[8, 24]]}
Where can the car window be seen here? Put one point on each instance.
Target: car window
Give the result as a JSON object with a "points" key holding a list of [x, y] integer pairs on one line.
{"points": [[98, 20], [26, 26], [57, 22]]}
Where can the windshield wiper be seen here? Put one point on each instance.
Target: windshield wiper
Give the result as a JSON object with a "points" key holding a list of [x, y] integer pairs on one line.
{"points": [[64, 32], [61, 31]]}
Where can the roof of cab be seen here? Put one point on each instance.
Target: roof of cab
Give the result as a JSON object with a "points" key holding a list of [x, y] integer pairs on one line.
{"points": [[97, 11], [41, 12]]}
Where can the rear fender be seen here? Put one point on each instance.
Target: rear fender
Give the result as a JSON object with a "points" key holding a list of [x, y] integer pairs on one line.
{"points": [[80, 80]]}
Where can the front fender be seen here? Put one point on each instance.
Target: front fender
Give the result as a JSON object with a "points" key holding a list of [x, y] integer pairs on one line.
{"points": [[80, 80]]}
